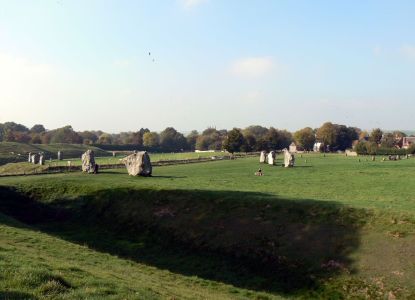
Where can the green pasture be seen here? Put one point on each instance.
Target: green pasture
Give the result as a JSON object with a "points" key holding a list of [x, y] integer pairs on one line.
{"points": [[332, 227]]}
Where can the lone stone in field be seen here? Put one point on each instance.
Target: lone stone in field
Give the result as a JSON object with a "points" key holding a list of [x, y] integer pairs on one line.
{"points": [[271, 158], [289, 159], [88, 161], [138, 164], [60, 156], [262, 157]]}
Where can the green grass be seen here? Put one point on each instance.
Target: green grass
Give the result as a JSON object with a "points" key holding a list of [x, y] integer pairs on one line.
{"points": [[16, 152], [332, 227], [25, 168]]}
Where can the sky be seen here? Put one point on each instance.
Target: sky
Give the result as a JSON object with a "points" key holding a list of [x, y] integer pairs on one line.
{"points": [[191, 64]]}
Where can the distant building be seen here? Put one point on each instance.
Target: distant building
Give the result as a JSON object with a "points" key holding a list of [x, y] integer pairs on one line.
{"points": [[408, 142], [318, 147], [293, 148]]}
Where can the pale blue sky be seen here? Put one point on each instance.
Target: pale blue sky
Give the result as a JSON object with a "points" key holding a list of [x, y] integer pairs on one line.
{"points": [[287, 64]]}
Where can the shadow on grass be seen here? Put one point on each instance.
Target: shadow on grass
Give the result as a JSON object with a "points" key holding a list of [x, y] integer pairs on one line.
{"points": [[12, 295], [250, 240]]}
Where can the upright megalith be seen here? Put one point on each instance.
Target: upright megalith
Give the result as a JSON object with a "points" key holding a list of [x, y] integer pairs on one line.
{"points": [[289, 159], [138, 163], [41, 159], [34, 158], [263, 157], [271, 158], [60, 156], [88, 161], [30, 157]]}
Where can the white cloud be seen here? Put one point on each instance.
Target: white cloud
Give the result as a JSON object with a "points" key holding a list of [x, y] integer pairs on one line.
{"points": [[252, 67], [408, 51], [189, 4]]}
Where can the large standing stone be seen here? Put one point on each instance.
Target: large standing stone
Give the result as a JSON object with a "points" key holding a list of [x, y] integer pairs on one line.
{"points": [[30, 157], [41, 160], [262, 157], [88, 161], [138, 164], [271, 158], [60, 156], [34, 158], [289, 159]]}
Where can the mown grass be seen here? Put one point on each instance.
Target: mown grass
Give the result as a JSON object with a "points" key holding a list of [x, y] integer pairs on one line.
{"points": [[347, 225], [17, 152], [25, 168]]}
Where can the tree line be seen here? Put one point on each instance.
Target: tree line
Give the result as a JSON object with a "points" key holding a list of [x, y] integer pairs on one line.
{"points": [[330, 136]]}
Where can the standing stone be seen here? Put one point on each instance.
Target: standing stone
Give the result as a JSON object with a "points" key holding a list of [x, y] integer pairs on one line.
{"points": [[262, 157], [41, 160], [271, 158], [138, 164], [289, 159], [30, 157], [88, 161], [34, 159], [113, 154], [60, 156]]}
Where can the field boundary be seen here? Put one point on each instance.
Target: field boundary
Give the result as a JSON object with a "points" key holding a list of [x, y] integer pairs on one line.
{"points": [[160, 163]]}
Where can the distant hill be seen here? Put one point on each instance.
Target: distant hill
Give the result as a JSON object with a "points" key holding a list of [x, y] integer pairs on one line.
{"points": [[15, 152]]}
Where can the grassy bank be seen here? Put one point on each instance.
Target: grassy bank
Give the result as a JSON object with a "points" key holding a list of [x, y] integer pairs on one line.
{"points": [[317, 230], [17, 152]]}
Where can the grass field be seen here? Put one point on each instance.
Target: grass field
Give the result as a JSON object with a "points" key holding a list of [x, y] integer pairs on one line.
{"points": [[26, 168], [17, 152], [330, 228]]}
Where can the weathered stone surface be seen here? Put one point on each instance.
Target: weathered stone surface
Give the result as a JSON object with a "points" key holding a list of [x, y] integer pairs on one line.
{"points": [[262, 157], [41, 160], [34, 158], [88, 161], [138, 164], [289, 159], [271, 158], [30, 157], [60, 156]]}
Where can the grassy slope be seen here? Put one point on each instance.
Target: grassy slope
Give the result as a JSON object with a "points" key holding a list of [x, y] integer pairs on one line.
{"points": [[386, 234], [9, 151], [37, 265]]}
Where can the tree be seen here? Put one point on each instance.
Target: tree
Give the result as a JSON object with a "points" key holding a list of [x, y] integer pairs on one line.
{"points": [[361, 147], [88, 137], [211, 139], [326, 134], [38, 128], [191, 139], [234, 141], [171, 140], [250, 143], [278, 139], [344, 137], [65, 135], [256, 131], [151, 139], [305, 138], [105, 139], [376, 136], [388, 140]]}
